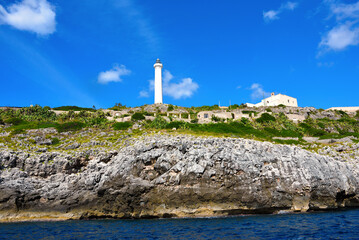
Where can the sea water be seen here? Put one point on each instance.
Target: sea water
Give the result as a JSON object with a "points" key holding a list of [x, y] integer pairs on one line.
{"points": [[320, 225]]}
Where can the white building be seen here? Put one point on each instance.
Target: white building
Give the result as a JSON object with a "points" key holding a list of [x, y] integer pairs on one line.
{"points": [[275, 100], [158, 81]]}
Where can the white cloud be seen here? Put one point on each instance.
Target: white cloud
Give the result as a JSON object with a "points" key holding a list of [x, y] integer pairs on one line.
{"points": [[113, 75], [343, 11], [340, 37], [258, 91], [144, 94], [346, 31], [290, 5], [36, 16], [274, 14], [270, 15], [185, 88]]}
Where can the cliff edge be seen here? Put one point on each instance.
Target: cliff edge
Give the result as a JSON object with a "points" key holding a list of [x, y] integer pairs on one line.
{"points": [[173, 176]]}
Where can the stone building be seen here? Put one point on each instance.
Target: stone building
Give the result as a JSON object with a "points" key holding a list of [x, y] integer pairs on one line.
{"points": [[275, 100]]}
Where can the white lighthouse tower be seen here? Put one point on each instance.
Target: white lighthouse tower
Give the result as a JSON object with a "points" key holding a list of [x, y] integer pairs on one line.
{"points": [[158, 81]]}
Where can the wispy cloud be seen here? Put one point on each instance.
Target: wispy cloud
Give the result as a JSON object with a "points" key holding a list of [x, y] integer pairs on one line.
{"points": [[274, 14], [185, 88], [345, 32], [139, 22], [36, 16], [113, 75], [258, 91], [144, 94]]}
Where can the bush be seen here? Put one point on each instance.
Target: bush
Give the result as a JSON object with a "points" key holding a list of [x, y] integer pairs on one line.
{"points": [[159, 123], [311, 131], [216, 119], [73, 108], [184, 115], [265, 117], [35, 113], [194, 120], [15, 121], [17, 131], [137, 116], [1, 121], [170, 108], [245, 121], [55, 141], [176, 124], [70, 126], [121, 125]]}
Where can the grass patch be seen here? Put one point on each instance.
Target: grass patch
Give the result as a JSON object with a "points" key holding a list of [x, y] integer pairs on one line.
{"points": [[70, 126], [311, 131], [122, 125]]}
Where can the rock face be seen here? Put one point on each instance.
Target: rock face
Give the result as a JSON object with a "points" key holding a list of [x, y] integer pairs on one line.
{"points": [[174, 176]]}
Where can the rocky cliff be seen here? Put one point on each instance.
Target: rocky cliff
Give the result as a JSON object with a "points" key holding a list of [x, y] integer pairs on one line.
{"points": [[173, 176]]}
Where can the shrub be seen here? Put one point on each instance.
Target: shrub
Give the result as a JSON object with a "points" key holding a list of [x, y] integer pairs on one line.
{"points": [[216, 119], [184, 115], [159, 122], [245, 121], [311, 131], [121, 125], [176, 124], [194, 120], [265, 117], [170, 107], [357, 115], [17, 131], [137, 116], [74, 108], [15, 121], [55, 141], [1, 121], [70, 126]]}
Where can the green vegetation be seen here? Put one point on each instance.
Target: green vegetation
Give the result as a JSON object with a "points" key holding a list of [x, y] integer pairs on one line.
{"points": [[70, 126], [170, 108], [55, 141], [205, 108], [118, 107], [122, 125], [266, 127], [158, 123], [138, 116], [74, 108], [265, 117]]}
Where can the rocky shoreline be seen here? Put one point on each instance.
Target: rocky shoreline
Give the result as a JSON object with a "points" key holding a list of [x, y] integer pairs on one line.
{"points": [[168, 175]]}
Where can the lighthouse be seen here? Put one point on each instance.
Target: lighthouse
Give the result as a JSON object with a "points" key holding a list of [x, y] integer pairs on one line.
{"points": [[158, 81]]}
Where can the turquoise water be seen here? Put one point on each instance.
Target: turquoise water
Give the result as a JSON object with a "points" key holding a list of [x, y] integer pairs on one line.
{"points": [[325, 225]]}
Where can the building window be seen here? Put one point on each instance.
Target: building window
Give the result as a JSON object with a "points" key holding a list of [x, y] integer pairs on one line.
{"points": [[288, 101], [206, 115]]}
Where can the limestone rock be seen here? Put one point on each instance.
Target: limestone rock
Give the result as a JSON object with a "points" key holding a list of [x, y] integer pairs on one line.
{"points": [[178, 175]]}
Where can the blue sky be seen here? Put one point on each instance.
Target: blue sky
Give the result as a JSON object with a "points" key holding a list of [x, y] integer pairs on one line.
{"points": [[87, 52]]}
